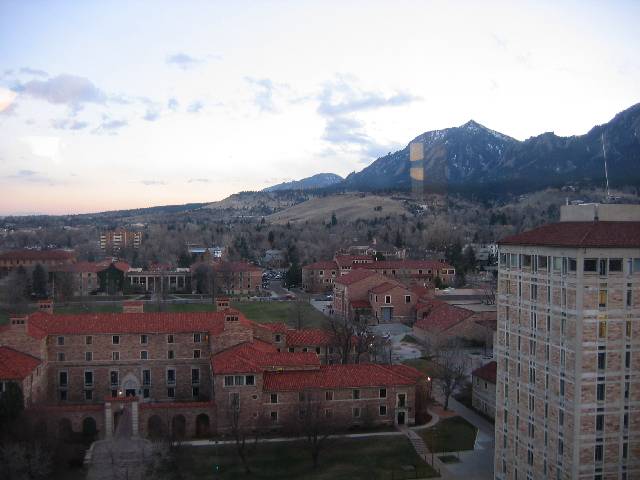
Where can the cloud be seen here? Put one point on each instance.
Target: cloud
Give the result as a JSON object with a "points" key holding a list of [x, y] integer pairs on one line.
{"points": [[109, 126], [7, 98], [68, 124], [152, 182], [195, 107], [152, 115], [64, 89], [26, 173], [182, 60], [172, 104], [43, 146], [263, 97], [34, 71], [340, 98], [30, 176], [198, 180]]}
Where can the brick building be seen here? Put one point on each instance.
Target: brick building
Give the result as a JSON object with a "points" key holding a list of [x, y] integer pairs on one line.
{"points": [[568, 345], [30, 258], [319, 277], [85, 276], [412, 271], [112, 241], [483, 389], [237, 278], [391, 301], [186, 374]]}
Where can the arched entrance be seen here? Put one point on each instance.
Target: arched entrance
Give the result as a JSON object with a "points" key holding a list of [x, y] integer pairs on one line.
{"points": [[130, 385], [154, 427], [202, 425], [89, 429], [178, 426]]}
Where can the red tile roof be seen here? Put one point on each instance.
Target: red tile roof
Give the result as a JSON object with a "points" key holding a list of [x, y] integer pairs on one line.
{"points": [[341, 376], [247, 358], [386, 286], [360, 304], [441, 316], [486, 372], [41, 324], [277, 327], [405, 265], [580, 234], [308, 337], [347, 260], [354, 277], [15, 365], [322, 265], [37, 255]]}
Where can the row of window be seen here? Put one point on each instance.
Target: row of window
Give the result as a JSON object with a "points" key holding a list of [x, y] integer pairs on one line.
{"points": [[543, 263], [144, 339], [356, 412], [144, 355], [114, 377], [146, 393]]}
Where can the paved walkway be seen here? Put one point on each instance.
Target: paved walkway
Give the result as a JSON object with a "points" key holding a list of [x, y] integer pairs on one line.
{"points": [[121, 458]]}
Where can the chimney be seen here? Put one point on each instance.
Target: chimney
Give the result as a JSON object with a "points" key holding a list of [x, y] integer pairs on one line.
{"points": [[133, 306], [222, 303], [45, 306]]}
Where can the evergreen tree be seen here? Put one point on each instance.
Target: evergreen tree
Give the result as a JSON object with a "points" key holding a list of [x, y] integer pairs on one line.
{"points": [[39, 281]]}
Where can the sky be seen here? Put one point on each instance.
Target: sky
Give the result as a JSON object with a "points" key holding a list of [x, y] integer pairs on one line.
{"points": [[109, 105]]}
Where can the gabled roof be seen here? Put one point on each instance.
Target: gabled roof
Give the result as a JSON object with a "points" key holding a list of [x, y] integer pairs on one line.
{"points": [[441, 316], [355, 276], [342, 376], [487, 372], [308, 337], [277, 327], [248, 358], [347, 260], [580, 234], [360, 304], [41, 324], [386, 286], [322, 265], [15, 365]]}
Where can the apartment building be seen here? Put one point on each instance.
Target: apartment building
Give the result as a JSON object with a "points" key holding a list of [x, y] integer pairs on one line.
{"points": [[114, 240], [568, 356]]}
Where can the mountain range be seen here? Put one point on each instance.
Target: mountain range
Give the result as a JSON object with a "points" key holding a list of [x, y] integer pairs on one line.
{"points": [[320, 180], [472, 157]]}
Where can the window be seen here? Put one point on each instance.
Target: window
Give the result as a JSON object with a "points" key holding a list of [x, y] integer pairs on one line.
{"points": [[273, 398], [61, 356], [598, 453], [171, 376], [144, 355], [627, 359], [387, 299], [402, 400], [542, 262], [170, 355], [88, 340], [600, 391], [278, 338], [238, 380], [113, 377], [170, 338], [60, 341], [571, 264], [63, 395], [560, 447], [115, 339], [195, 376], [407, 299], [195, 392], [602, 360], [63, 379], [228, 381], [274, 417], [196, 353], [146, 377], [171, 392], [628, 328], [88, 378], [562, 387], [382, 410], [599, 422], [88, 394], [328, 413], [356, 412], [561, 417], [291, 349], [526, 261], [88, 356], [249, 380], [557, 264], [636, 265], [356, 394], [328, 395], [615, 265], [115, 356], [602, 298], [383, 393], [144, 339], [625, 450], [590, 265], [602, 329], [197, 338]]}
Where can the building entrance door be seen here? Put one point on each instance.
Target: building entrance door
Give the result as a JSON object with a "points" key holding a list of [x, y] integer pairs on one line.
{"points": [[401, 419], [387, 314]]}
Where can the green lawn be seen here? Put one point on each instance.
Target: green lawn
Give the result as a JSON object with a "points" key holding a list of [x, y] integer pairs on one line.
{"points": [[180, 307], [89, 307], [452, 434], [343, 459], [425, 366], [270, 312]]}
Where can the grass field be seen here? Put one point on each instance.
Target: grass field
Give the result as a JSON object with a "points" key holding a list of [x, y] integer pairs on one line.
{"points": [[270, 312], [343, 459], [425, 366], [89, 307], [452, 434], [180, 307]]}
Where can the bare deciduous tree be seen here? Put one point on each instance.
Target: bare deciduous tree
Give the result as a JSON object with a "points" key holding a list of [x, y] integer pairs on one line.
{"points": [[450, 370]]}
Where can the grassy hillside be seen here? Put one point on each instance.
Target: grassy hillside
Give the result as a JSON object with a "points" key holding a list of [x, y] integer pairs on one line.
{"points": [[347, 207]]}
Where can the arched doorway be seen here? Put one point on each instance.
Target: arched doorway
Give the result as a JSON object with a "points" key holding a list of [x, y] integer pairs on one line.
{"points": [[65, 431], [154, 427], [202, 425], [178, 426], [130, 385], [89, 429]]}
